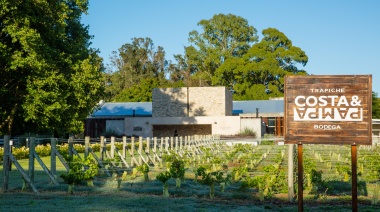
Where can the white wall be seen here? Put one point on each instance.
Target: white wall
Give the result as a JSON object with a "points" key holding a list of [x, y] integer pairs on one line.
{"points": [[253, 124]]}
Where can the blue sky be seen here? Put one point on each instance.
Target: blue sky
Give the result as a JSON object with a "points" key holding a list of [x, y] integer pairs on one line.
{"points": [[339, 37]]}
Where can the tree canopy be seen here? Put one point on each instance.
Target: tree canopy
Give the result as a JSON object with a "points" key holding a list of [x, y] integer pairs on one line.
{"points": [[50, 77], [259, 74], [375, 106], [133, 63], [223, 37], [226, 52]]}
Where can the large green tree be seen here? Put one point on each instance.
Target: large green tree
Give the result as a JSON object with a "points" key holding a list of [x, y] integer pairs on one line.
{"points": [[133, 63], [375, 106], [259, 74], [50, 77], [142, 92], [223, 37]]}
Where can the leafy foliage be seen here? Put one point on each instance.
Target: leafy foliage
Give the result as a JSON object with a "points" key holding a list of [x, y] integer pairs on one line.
{"points": [[134, 63], [144, 168], [80, 170], [375, 106], [163, 177], [49, 75], [223, 37], [259, 74]]}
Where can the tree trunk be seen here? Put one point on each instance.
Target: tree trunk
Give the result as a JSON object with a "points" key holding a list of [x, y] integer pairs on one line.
{"points": [[178, 182], [146, 177], [165, 192], [71, 188], [212, 191]]}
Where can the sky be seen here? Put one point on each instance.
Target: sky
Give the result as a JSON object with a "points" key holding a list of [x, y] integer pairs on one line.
{"points": [[340, 37]]}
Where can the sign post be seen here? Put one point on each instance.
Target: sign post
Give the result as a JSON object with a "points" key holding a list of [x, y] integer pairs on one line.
{"points": [[328, 109]]}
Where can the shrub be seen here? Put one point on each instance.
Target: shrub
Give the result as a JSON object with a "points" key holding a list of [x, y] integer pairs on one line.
{"points": [[247, 132], [267, 142], [43, 150], [163, 177], [145, 170], [80, 170]]}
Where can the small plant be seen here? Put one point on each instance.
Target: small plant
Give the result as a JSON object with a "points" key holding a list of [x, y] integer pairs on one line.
{"points": [[163, 177], [80, 170], [210, 179], [145, 170], [238, 172], [90, 170], [177, 171]]}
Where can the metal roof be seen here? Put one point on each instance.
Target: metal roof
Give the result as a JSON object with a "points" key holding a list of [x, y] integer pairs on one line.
{"points": [[264, 106], [121, 109], [124, 109]]}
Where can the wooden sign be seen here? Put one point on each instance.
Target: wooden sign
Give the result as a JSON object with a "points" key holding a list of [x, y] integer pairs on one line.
{"points": [[328, 109]]}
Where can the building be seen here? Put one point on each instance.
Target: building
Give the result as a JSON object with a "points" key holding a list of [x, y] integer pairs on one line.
{"points": [[188, 111]]}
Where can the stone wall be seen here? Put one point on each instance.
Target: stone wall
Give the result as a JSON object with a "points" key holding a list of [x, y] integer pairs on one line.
{"points": [[169, 102], [191, 102]]}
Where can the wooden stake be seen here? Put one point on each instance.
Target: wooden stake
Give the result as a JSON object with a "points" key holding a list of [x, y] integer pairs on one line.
{"points": [[112, 147], [140, 149], [132, 150], [71, 147], [53, 157], [32, 145], [102, 148], [124, 147], [6, 163], [86, 146]]}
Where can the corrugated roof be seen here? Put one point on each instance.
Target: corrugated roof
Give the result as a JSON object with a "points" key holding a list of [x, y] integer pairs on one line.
{"points": [[145, 108], [124, 109], [264, 106]]}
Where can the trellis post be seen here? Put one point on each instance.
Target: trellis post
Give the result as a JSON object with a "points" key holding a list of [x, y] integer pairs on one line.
{"points": [[132, 150], [6, 161], [124, 146], [86, 146], [32, 145], [53, 158], [102, 147], [112, 147], [140, 148], [71, 146]]}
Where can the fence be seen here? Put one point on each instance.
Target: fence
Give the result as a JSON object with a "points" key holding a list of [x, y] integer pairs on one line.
{"points": [[134, 152]]}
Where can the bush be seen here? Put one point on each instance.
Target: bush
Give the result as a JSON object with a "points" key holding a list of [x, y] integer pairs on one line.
{"points": [[247, 132], [267, 142], [43, 150]]}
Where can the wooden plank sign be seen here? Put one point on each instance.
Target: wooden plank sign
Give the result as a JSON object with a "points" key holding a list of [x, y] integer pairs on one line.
{"points": [[328, 109]]}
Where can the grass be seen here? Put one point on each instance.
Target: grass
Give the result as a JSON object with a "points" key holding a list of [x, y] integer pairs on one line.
{"points": [[136, 195]]}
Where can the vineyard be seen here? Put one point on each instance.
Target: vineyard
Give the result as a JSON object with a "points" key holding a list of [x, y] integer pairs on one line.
{"points": [[206, 169]]}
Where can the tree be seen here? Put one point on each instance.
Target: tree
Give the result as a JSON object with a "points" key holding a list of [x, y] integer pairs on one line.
{"points": [[50, 76], [375, 106], [142, 92], [223, 37], [259, 74], [182, 70], [133, 63]]}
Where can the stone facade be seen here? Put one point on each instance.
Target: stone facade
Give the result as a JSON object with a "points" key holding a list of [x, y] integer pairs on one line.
{"points": [[191, 102]]}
